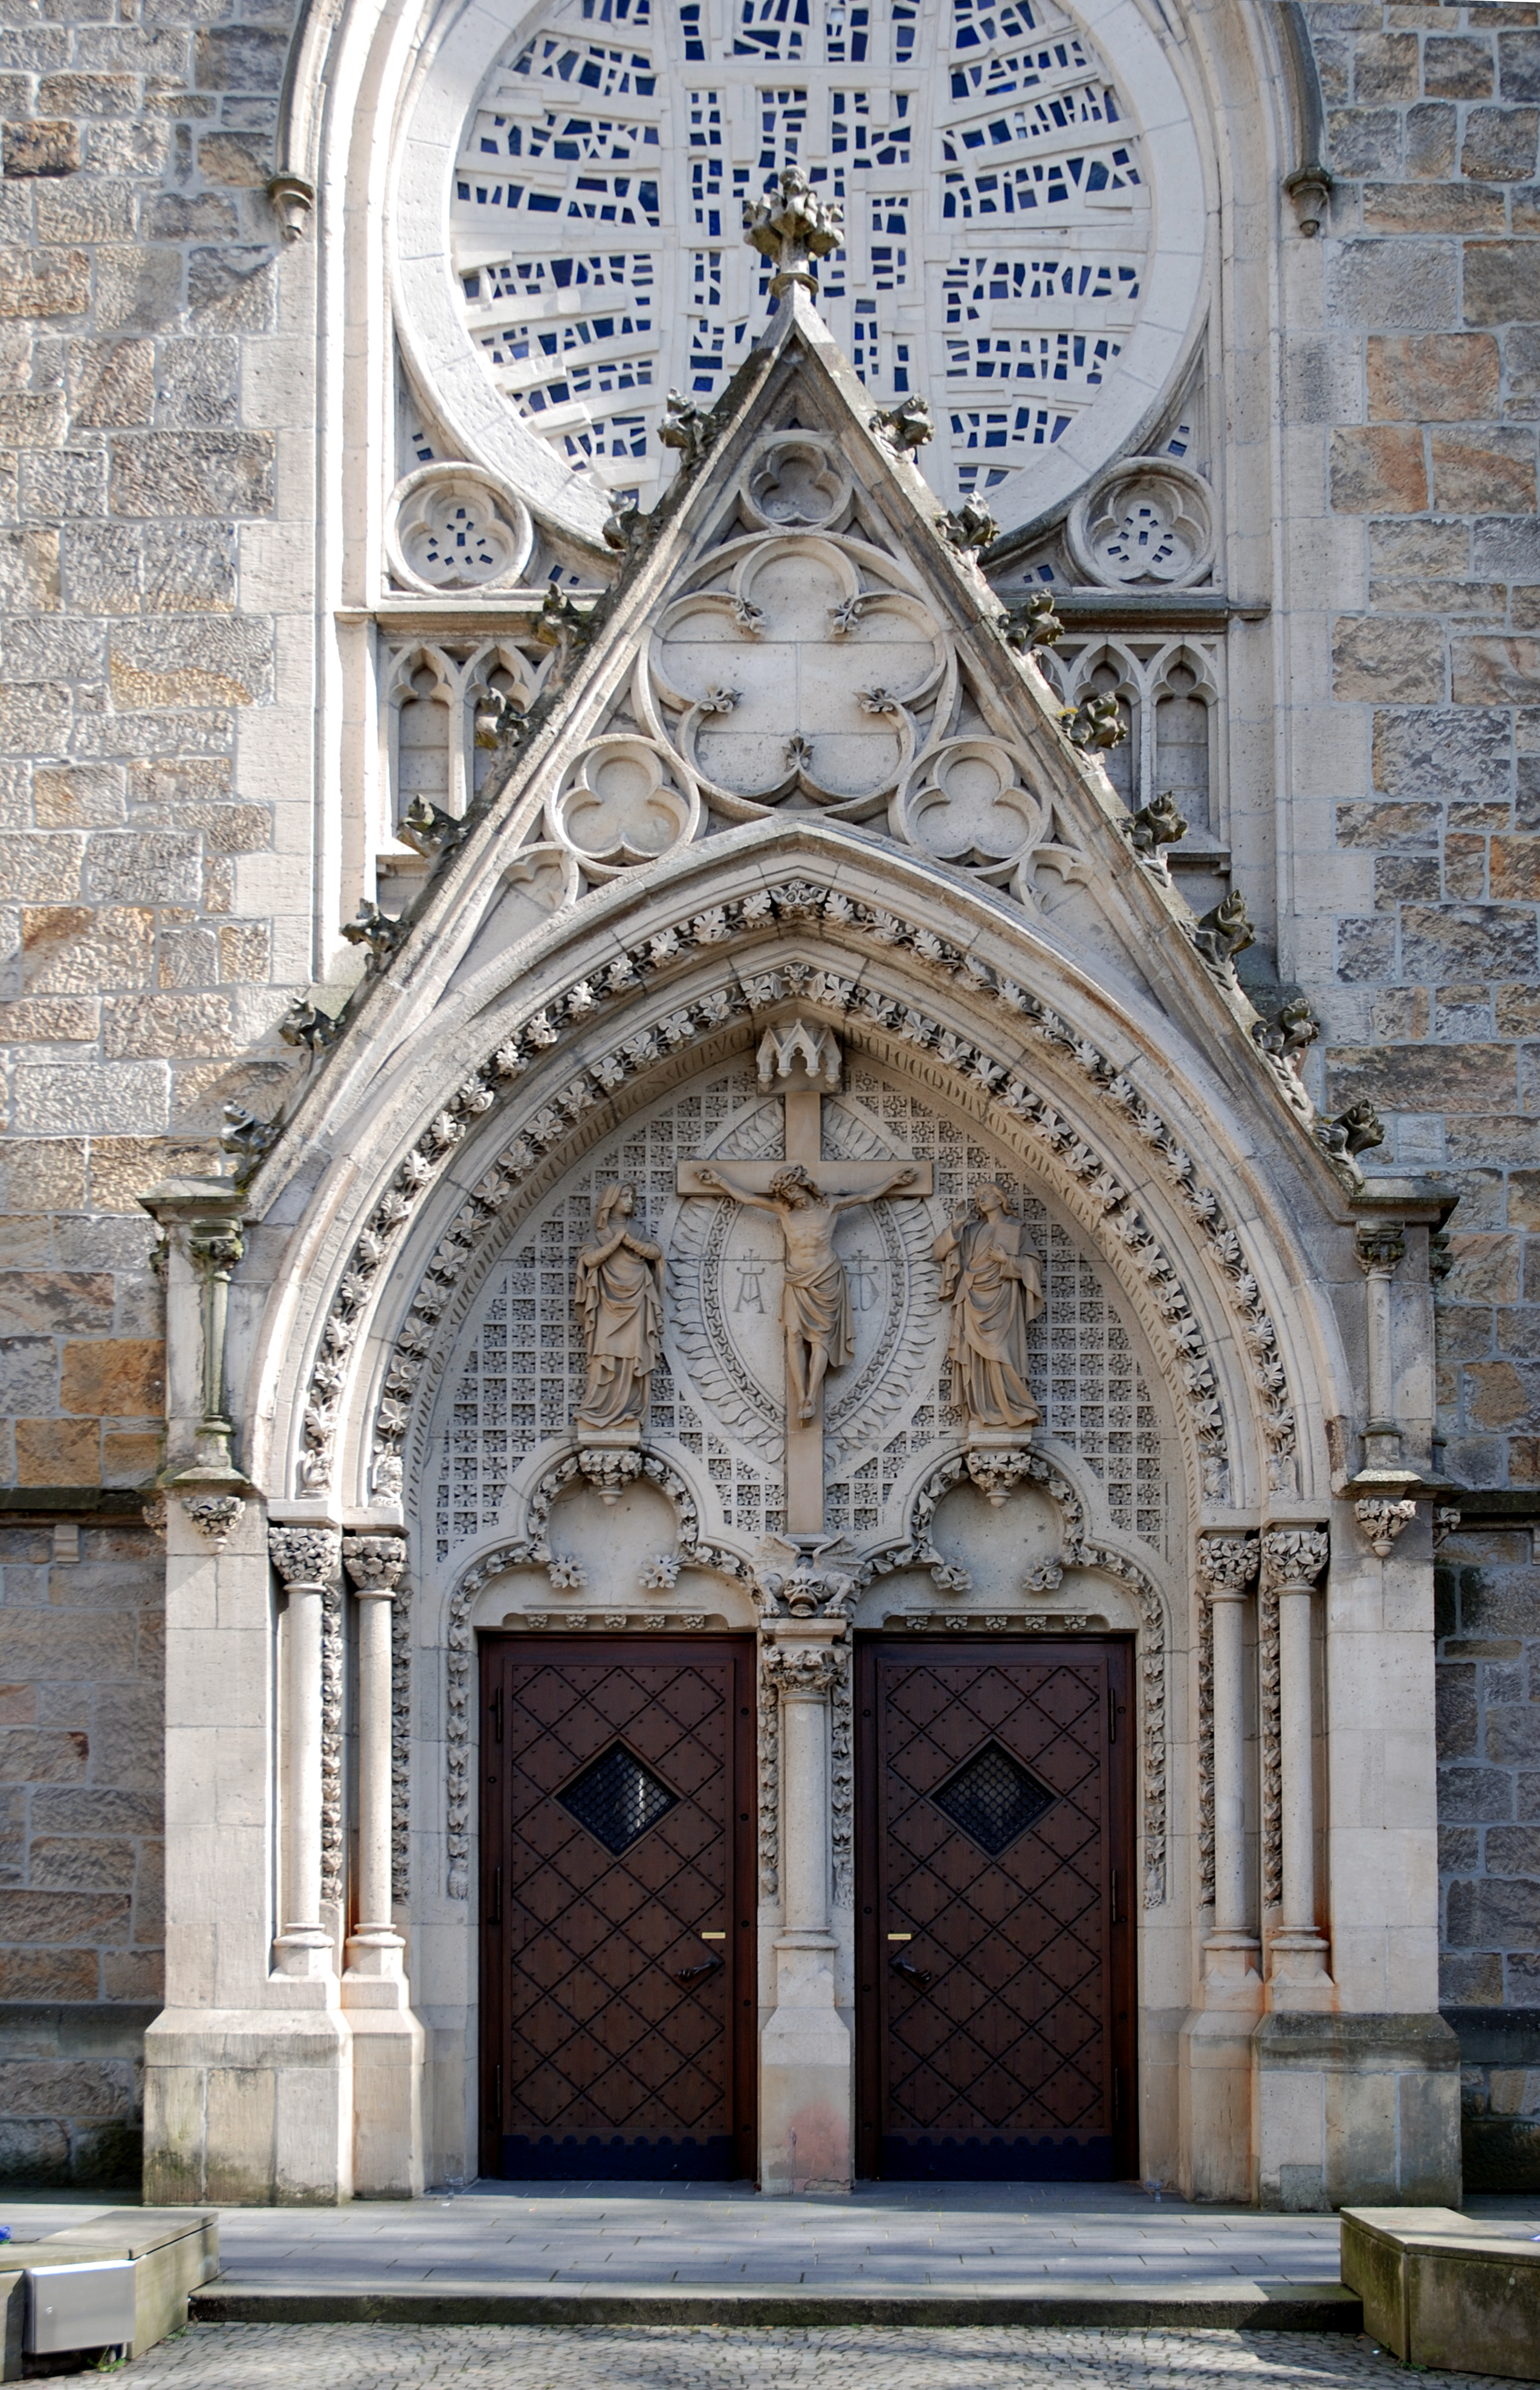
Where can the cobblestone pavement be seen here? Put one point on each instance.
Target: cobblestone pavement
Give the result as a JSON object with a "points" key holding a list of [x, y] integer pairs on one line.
{"points": [[474, 2357]]}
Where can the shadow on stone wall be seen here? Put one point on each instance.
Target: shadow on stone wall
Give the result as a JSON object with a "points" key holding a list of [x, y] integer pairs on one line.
{"points": [[71, 2094]]}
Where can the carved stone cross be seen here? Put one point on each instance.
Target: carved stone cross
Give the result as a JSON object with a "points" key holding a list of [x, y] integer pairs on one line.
{"points": [[806, 1190]]}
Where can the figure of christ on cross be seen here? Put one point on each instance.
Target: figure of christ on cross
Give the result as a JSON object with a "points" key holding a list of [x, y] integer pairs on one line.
{"points": [[805, 1194]]}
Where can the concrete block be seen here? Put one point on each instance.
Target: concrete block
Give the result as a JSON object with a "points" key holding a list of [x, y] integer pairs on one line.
{"points": [[1445, 2290]]}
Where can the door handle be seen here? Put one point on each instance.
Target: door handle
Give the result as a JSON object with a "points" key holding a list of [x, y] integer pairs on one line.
{"points": [[702, 1967], [920, 1975]]}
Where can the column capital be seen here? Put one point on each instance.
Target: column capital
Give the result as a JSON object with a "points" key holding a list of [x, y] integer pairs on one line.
{"points": [[1381, 1248], [1294, 1558], [305, 1556], [805, 1671], [1227, 1563], [374, 1565]]}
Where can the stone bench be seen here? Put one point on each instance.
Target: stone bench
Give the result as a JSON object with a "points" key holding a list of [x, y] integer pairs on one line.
{"points": [[173, 2250], [1447, 2291]]}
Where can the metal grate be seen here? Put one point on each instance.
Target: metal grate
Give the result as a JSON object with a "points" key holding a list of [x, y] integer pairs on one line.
{"points": [[993, 1798], [616, 1799]]}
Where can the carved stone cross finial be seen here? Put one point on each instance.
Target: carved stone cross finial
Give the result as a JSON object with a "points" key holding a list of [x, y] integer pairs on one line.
{"points": [[790, 226]]}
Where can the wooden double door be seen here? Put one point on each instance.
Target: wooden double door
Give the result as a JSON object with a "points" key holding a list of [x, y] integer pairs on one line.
{"points": [[996, 1938], [996, 1949], [618, 1994]]}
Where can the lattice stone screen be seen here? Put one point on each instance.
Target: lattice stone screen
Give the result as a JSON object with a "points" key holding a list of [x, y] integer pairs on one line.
{"points": [[519, 1382]]}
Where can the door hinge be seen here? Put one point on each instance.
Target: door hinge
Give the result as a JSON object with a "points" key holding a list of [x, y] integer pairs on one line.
{"points": [[495, 1913], [497, 2097], [1117, 2095], [1117, 1911], [1111, 1715], [497, 1716]]}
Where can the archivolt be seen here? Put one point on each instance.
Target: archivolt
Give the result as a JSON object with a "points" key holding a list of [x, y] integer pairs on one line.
{"points": [[889, 1023]]}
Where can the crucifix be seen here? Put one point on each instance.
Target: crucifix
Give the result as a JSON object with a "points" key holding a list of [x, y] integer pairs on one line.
{"points": [[807, 1193]]}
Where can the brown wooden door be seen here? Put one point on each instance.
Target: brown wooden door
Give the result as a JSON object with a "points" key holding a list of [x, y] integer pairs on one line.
{"points": [[996, 1943], [617, 1905]]}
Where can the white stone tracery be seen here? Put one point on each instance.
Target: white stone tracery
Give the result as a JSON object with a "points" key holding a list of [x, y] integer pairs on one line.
{"points": [[997, 169]]}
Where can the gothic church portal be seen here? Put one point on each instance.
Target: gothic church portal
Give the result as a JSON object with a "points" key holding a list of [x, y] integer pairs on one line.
{"points": [[799, 1484]]}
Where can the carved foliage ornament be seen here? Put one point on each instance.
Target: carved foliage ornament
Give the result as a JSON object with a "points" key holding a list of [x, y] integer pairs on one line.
{"points": [[796, 905]]}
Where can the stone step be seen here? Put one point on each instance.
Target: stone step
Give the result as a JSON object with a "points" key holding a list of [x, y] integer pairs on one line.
{"points": [[1232, 2305]]}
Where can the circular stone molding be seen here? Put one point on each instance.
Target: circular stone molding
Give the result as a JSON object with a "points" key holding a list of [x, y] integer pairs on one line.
{"points": [[797, 481], [624, 800], [1150, 521], [457, 527]]}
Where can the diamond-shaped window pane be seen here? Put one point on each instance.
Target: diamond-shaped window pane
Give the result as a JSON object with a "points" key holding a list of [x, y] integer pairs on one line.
{"points": [[993, 1798], [617, 1799]]}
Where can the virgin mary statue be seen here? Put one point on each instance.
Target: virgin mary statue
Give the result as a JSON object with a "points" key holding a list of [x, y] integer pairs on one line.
{"points": [[994, 1286], [621, 1308]]}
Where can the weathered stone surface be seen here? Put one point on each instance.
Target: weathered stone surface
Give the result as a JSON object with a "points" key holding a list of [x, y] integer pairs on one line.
{"points": [[193, 473], [1508, 546], [111, 383], [1491, 671], [238, 57], [29, 1756], [1498, 278], [1389, 825], [69, 949], [1423, 1078], [143, 866], [1430, 135], [1500, 144], [47, 1976], [114, 1378], [1496, 469], [231, 289], [1429, 207], [195, 660], [1437, 378], [80, 796], [42, 145], [1389, 285], [1379, 469], [1475, 941], [58, 1452], [113, 1099], [1388, 661], [1457, 66]]}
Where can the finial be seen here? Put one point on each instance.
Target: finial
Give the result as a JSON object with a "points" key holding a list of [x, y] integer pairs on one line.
{"points": [[790, 226]]}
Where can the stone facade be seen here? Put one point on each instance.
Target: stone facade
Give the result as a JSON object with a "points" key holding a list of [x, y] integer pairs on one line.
{"points": [[218, 696]]}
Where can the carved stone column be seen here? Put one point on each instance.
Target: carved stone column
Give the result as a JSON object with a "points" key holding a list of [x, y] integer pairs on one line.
{"points": [[1228, 1565], [806, 2139], [387, 2039], [1382, 1249], [1294, 1558], [307, 1559], [1214, 2076]]}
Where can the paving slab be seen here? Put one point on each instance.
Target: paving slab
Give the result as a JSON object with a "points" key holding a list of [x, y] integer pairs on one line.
{"points": [[387, 2356], [890, 2255]]}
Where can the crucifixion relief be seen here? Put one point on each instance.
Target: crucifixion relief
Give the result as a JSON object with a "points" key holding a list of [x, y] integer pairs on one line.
{"points": [[806, 1192]]}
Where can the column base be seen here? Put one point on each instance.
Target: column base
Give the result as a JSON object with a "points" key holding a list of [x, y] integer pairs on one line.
{"points": [[1357, 2112], [305, 1954], [249, 2107], [807, 2137], [1298, 1977], [389, 2046], [1232, 1972]]}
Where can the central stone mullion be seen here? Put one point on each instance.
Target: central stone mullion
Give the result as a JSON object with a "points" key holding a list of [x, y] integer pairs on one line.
{"points": [[802, 1142]]}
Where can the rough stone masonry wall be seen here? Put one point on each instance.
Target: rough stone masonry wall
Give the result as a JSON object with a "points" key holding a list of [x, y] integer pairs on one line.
{"points": [[1427, 389], [156, 492]]}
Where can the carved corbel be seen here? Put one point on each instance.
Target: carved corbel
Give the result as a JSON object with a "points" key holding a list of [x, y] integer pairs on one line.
{"points": [[1309, 188]]}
